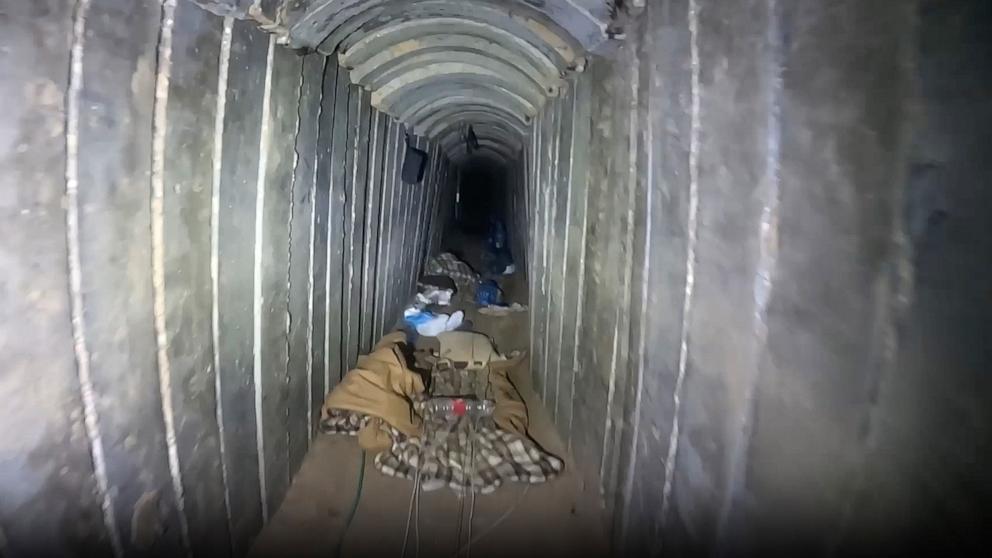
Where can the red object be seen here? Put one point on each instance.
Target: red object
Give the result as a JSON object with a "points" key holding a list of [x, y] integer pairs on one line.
{"points": [[459, 407]]}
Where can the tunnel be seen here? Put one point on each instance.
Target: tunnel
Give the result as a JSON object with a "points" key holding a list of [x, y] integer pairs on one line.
{"points": [[747, 244]]}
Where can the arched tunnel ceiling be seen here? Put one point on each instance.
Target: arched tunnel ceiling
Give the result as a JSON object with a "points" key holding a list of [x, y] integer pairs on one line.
{"points": [[441, 65]]}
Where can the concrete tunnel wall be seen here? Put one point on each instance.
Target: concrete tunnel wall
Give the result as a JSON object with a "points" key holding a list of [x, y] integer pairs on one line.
{"points": [[201, 231], [725, 222]]}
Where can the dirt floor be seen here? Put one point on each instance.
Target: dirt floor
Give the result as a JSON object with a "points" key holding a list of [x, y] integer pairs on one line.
{"points": [[559, 518]]}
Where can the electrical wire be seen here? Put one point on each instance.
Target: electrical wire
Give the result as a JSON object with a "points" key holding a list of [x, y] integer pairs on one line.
{"points": [[416, 519], [414, 505], [467, 547], [409, 514], [471, 516], [354, 506], [461, 521], [496, 523], [471, 476]]}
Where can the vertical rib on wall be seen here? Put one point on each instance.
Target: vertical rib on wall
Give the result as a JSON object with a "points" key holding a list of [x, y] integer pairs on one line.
{"points": [[197, 249]]}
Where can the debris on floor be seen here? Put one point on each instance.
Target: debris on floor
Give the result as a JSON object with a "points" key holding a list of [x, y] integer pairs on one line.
{"points": [[467, 349], [450, 265], [488, 293], [442, 282], [433, 295], [501, 310], [430, 324]]}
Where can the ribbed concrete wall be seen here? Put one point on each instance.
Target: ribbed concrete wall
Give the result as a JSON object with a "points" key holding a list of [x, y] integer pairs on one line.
{"points": [[201, 230], [718, 267]]}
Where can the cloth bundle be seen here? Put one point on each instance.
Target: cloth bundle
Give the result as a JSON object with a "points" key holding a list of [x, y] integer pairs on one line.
{"points": [[384, 403], [460, 272]]}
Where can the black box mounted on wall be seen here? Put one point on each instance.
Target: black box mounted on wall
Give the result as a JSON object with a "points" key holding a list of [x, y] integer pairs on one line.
{"points": [[414, 163]]}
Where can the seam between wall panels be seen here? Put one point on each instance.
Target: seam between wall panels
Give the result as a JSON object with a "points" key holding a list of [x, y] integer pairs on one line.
{"points": [[418, 236], [383, 286], [366, 296], [428, 214], [531, 244], [610, 395], [417, 207], [549, 233], [402, 258], [425, 233], [564, 257], [310, 246], [537, 235], [380, 133], [346, 291], [624, 303], [767, 259], [632, 153], [549, 250], [407, 257], [429, 211], [397, 223], [362, 250], [263, 155], [413, 227], [423, 215], [222, 72], [432, 206], [436, 210], [548, 215], [328, 247], [159, 127], [581, 298], [91, 418], [440, 194], [377, 280], [536, 226], [642, 340], [416, 211], [329, 233], [532, 277], [289, 254], [690, 263]]}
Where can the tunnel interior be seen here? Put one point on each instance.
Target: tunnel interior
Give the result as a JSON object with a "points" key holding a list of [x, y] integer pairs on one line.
{"points": [[481, 195], [750, 238]]}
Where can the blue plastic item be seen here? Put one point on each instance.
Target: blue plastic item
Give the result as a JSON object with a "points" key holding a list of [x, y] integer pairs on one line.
{"points": [[488, 293], [417, 317]]}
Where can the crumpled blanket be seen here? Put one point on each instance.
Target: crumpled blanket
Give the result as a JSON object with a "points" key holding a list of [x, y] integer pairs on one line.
{"points": [[462, 456], [460, 272], [385, 405], [381, 386]]}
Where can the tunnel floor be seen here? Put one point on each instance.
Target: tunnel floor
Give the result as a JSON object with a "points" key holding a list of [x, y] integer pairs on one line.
{"points": [[557, 518]]}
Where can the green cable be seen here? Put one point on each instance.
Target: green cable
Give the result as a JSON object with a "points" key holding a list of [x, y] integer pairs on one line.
{"points": [[354, 506]]}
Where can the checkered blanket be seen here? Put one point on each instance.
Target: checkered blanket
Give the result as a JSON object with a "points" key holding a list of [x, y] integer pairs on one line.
{"points": [[460, 272], [459, 453]]}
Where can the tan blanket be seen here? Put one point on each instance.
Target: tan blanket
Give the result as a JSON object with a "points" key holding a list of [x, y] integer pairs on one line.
{"points": [[383, 402], [383, 387], [380, 386]]}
